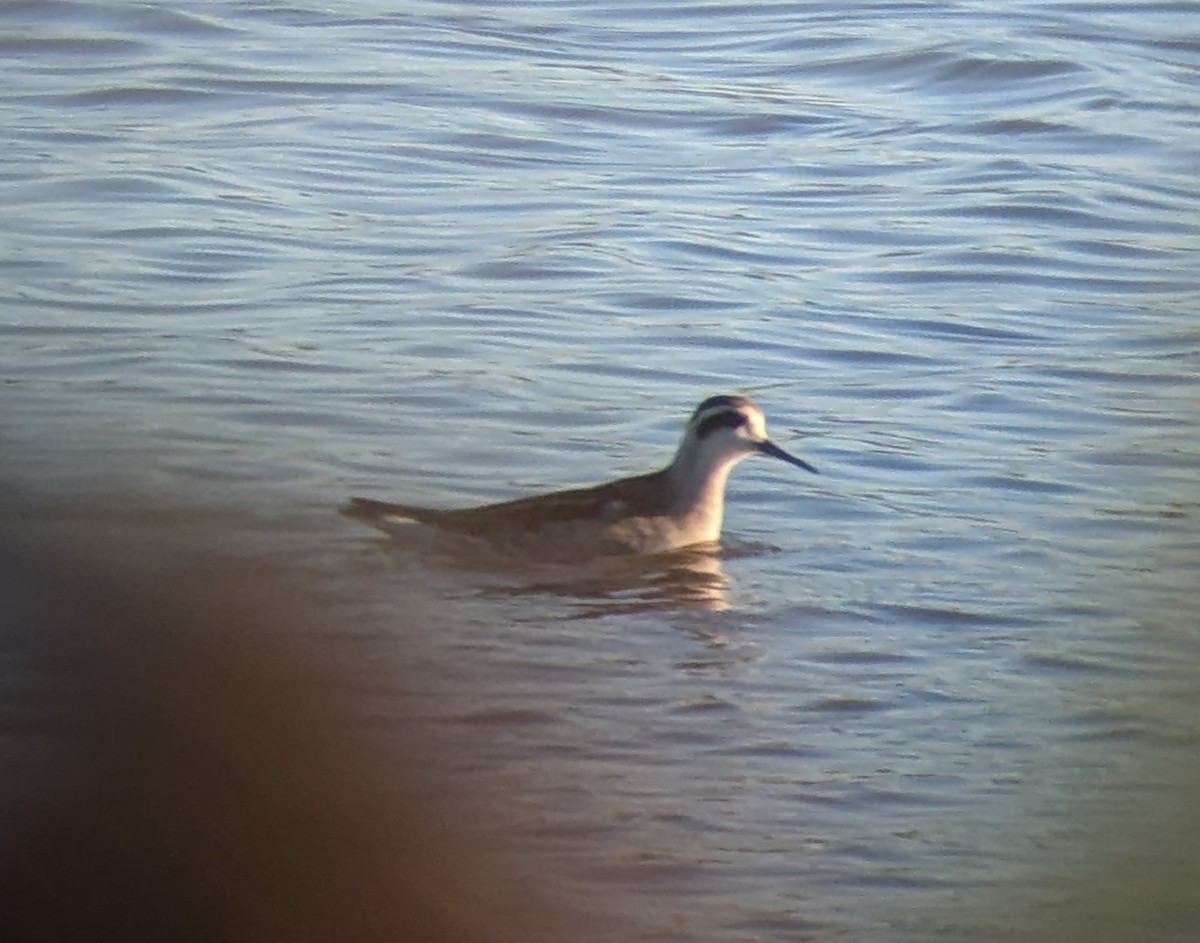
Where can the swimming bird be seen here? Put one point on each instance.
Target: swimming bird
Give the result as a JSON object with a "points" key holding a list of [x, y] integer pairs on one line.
{"points": [[679, 506]]}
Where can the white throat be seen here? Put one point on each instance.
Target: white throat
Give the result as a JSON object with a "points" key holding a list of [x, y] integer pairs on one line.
{"points": [[697, 480]]}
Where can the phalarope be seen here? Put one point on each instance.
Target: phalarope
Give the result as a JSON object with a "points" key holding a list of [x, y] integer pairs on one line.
{"points": [[678, 506]]}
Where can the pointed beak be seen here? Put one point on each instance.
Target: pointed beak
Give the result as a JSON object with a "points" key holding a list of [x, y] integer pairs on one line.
{"points": [[770, 448]]}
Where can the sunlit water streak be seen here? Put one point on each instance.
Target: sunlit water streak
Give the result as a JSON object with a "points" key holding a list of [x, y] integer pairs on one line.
{"points": [[259, 257]]}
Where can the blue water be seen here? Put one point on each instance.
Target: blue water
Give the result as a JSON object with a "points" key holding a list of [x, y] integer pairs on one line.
{"points": [[258, 257]]}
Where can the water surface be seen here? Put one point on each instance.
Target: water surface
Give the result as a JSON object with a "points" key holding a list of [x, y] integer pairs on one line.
{"points": [[258, 257]]}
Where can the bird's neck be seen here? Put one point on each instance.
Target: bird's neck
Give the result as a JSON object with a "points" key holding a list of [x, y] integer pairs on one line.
{"points": [[698, 491]]}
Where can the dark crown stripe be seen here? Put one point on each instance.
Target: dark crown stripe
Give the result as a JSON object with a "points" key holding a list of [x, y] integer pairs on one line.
{"points": [[714, 401], [726, 419]]}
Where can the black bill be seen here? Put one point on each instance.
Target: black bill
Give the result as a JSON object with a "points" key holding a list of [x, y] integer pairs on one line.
{"points": [[770, 448]]}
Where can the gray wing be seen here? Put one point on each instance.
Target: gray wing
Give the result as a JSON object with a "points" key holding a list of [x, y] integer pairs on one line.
{"points": [[602, 502]]}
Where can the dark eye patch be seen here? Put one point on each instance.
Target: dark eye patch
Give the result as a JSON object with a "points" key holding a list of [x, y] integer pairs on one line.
{"points": [[729, 419]]}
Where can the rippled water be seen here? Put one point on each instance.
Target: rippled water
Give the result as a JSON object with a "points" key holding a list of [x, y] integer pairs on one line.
{"points": [[257, 257]]}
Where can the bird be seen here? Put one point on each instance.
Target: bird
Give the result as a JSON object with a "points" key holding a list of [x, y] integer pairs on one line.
{"points": [[679, 506]]}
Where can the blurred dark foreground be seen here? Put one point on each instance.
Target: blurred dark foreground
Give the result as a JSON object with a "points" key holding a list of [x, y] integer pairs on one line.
{"points": [[182, 762], [185, 754]]}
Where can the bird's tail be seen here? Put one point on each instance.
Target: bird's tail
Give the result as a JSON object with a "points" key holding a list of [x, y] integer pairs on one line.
{"points": [[378, 512]]}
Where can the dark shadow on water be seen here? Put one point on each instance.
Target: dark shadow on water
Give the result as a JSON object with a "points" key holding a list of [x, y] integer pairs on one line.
{"points": [[684, 580], [185, 757], [690, 579]]}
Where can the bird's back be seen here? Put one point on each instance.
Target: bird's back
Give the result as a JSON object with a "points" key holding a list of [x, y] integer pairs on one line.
{"points": [[640, 496]]}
